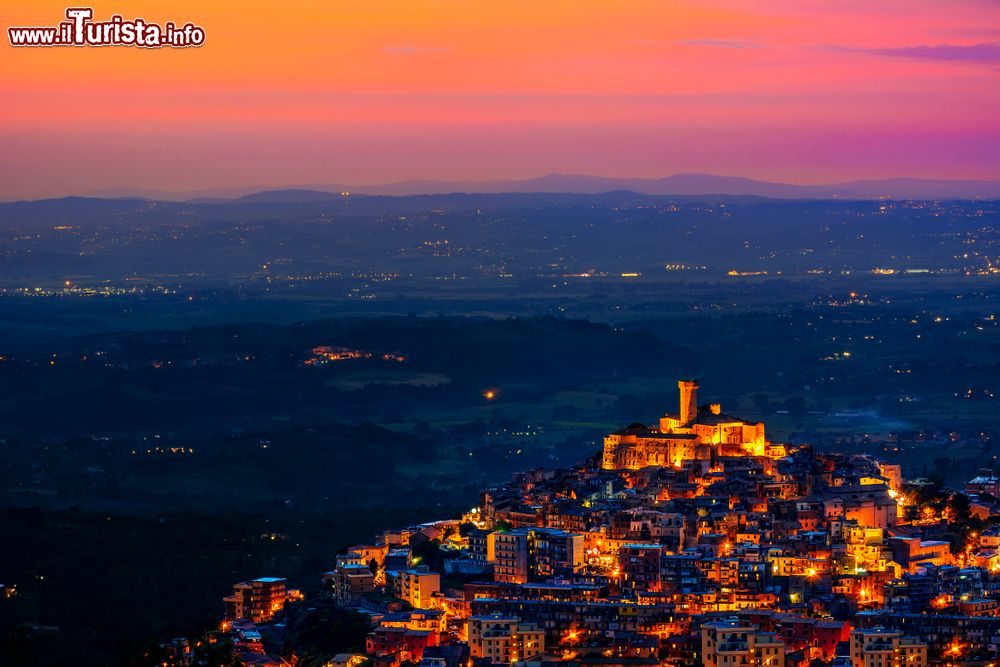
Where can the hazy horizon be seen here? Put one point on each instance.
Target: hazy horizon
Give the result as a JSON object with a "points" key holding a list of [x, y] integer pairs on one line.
{"points": [[680, 184]]}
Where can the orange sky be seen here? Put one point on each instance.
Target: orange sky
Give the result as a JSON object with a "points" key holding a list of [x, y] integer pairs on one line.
{"points": [[376, 91]]}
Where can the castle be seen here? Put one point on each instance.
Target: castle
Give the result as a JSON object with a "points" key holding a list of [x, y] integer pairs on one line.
{"points": [[693, 433]]}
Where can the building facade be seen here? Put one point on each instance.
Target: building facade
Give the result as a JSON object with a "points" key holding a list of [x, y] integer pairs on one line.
{"points": [[503, 639], [258, 600], [416, 587], [878, 647], [734, 643], [691, 434], [529, 554]]}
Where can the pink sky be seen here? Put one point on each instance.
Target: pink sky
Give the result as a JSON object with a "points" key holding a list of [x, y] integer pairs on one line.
{"points": [[802, 91]]}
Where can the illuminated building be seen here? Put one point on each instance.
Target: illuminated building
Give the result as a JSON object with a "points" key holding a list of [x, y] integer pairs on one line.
{"points": [[733, 642], [644, 525], [417, 619], [402, 644], [704, 539], [416, 587], [258, 600], [986, 483], [504, 639], [820, 637], [481, 546], [364, 554], [941, 631], [640, 566], [527, 554], [910, 552], [346, 660], [693, 433], [447, 655], [870, 505], [892, 473], [350, 583], [878, 647], [588, 618]]}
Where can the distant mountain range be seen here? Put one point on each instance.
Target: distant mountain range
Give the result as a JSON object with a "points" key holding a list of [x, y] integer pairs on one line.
{"points": [[678, 184]]}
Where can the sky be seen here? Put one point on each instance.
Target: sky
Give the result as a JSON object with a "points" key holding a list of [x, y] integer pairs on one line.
{"points": [[376, 91]]}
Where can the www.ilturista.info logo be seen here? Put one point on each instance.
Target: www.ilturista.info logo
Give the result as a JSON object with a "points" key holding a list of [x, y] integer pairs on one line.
{"points": [[81, 30]]}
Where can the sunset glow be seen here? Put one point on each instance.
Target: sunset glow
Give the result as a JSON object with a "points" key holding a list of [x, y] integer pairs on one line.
{"points": [[350, 93]]}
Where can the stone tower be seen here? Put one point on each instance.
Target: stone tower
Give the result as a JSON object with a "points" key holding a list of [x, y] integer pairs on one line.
{"points": [[689, 401]]}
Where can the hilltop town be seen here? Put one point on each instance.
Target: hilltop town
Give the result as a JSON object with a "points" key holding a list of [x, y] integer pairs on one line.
{"points": [[694, 541]]}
